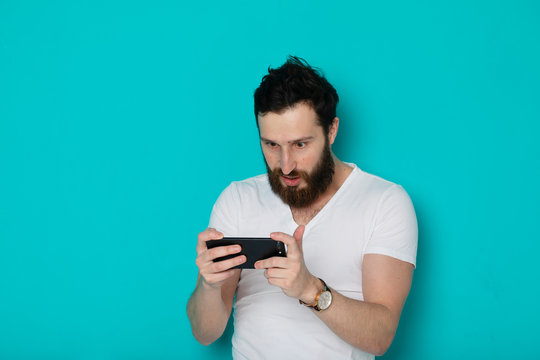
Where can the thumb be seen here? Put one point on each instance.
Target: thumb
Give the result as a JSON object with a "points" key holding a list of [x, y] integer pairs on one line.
{"points": [[298, 235]]}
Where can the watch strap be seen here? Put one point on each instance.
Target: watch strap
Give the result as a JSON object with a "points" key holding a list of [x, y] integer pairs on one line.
{"points": [[316, 302]]}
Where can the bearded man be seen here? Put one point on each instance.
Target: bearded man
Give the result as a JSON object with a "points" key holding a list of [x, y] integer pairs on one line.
{"points": [[351, 239]]}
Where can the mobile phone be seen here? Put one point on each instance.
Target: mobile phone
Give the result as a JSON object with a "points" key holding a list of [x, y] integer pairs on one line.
{"points": [[254, 249]]}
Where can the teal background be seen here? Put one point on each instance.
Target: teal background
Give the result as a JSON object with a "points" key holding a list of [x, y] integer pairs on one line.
{"points": [[121, 122]]}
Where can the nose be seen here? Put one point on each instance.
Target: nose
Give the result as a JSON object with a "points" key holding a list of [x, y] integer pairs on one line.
{"points": [[287, 162]]}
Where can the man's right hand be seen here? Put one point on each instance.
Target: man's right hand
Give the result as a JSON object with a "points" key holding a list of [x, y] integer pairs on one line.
{"points": [[213, 274]]}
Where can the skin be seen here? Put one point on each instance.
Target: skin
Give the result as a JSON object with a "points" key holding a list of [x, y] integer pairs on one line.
{"points": [[294, 140], [210, 305]]}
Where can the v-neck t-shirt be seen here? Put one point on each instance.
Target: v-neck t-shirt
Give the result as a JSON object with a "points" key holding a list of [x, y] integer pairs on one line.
{"points": [[367, 215]]}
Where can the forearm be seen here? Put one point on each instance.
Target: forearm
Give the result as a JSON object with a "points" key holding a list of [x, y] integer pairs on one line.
{"points": [[207, 313], [367, 326]]}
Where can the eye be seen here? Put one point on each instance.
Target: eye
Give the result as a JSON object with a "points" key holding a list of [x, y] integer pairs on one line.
{"points": [[270, 144], [301, 144]]}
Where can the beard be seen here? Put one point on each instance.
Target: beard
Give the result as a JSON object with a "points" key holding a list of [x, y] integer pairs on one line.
{"points": [[316, 182]]}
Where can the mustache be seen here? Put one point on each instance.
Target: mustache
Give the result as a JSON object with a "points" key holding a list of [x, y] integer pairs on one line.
{"points": [[293, 174]]}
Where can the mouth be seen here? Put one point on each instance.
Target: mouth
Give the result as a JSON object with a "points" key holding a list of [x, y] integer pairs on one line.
{"points": [[291, 180]]}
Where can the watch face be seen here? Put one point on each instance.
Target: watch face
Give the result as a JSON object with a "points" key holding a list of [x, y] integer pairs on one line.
{"points": [[324, 300]]}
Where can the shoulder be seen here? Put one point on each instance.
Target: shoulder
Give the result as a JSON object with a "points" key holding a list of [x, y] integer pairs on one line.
{"points": [[255, 183], [253, 188], [393, 229], [378, 196], [369, 186], [237, 199], [250, 186]]}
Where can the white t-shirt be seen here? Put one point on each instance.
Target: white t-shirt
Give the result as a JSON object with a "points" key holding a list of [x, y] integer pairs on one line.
{"points": [[367, 215]]}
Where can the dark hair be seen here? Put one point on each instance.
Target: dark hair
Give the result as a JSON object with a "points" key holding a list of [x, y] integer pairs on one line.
{"points": [[295, 82]]}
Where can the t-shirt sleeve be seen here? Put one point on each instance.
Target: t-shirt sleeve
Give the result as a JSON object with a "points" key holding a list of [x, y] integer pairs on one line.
{"points": [[395, 231], [224, 217]]}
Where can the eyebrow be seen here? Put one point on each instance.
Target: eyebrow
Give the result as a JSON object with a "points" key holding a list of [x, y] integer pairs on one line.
{"points": [[305, 138]]}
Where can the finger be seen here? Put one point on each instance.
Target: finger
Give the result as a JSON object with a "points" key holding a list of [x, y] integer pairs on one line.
{"points": [[276, 273], [221, 251], [207, 257], [292, 245], [220, 266], [273, 262], [298, 235], [218, 277], [208, 234]]}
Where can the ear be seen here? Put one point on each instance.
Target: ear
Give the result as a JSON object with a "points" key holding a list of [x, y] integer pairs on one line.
{"points": [[332, 131]]}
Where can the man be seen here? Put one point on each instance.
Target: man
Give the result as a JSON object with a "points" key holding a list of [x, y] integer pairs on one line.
{"points": [[339, 292]]}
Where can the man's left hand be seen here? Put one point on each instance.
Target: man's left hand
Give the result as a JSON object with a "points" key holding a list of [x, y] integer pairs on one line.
{"points": [[290, 273]]}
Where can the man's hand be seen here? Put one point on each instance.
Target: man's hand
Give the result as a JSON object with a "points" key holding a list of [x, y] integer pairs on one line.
{"points": [[290, 273], [209, 307], [213, 274]]}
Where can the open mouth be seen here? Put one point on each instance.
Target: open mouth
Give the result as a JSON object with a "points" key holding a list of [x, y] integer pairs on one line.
{"points": [[291, 181]]}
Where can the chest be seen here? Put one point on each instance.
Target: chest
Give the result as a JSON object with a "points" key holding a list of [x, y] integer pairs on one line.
{"points": [[303, 217]]}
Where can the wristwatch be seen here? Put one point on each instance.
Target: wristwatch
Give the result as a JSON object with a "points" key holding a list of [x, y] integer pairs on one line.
{"points": [[322, 300]]}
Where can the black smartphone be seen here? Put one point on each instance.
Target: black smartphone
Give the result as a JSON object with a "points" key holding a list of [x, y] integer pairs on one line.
{"points": [[253, 248]]}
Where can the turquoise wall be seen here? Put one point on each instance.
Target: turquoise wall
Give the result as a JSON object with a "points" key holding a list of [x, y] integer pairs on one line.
{"points": [[122, 121]]}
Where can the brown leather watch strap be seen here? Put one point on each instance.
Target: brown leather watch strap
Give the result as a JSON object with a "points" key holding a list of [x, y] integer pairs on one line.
{"points": [[325, 288]]}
